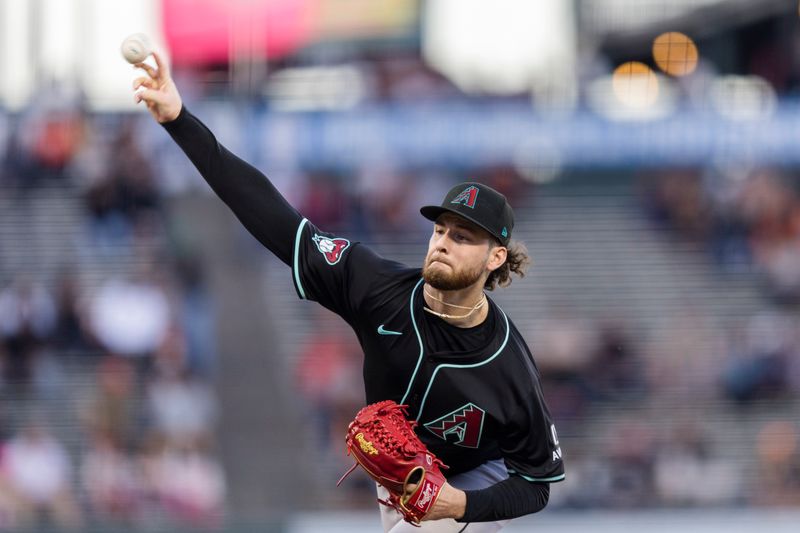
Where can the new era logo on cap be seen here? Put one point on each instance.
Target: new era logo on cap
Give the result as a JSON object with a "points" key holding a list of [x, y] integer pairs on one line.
{"points": [[467, 197]]}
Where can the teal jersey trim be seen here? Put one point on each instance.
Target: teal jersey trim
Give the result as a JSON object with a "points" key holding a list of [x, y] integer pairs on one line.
{"points": [[538, 479], [474, 365], [419, 340], [296, 261]]}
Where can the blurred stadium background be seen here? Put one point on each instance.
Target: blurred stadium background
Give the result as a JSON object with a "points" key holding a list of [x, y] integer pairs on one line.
{"points": [[158, 372]]}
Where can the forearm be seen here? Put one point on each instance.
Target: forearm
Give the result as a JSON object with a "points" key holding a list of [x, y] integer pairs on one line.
{"points": [[511, 498], [251, 196]]}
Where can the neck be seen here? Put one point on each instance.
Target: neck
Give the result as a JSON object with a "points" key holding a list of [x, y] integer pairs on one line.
{"points": [[464, 308]]}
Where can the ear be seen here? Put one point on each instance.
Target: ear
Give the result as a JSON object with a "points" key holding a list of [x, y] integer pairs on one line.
{"points": [[497, 256]]}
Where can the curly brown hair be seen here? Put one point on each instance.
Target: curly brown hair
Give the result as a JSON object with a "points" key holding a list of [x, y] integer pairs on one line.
{"points": [[517, 262]]}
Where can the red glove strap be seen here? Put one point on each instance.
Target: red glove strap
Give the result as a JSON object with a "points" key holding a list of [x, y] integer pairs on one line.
{"points": [[422, 500]]}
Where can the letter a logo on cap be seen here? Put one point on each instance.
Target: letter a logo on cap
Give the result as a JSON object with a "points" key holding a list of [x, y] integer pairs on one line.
{"points": [[467, 197]]}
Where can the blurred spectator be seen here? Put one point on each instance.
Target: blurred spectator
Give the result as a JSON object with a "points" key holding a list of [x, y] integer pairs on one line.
{"points": [[759, 367], [197, 310], [616, 371], [12, 172], [385, 199], [589, 481], [729, 240], [325, 201], [109, 225], [110, 481], [48, 139], [10, 518], [327, 367], [563, 350], [27, 319], [69, 333], [688, 472], [121, 198], [630, 456], [389, 207], [108, 411], [778, 471], [38, 471], [676, 198], [684, 355], [183, 407], [130, 316], [188, 483], [507, 180]]}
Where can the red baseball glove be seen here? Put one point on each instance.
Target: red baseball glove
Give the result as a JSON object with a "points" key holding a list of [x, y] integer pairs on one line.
{"points": [[383, 442]]}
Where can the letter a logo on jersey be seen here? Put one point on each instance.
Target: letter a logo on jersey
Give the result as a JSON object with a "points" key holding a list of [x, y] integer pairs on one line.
{"points": [[467, 197], [331, 248], [462, 427]]}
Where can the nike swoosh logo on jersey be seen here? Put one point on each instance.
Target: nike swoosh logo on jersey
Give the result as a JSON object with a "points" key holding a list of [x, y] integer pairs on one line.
{"points": [[383, 331]]}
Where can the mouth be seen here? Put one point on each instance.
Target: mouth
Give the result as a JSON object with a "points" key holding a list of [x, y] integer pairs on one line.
{"points": [[432, 261]]}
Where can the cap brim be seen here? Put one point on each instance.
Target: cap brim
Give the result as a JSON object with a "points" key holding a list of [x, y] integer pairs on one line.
{"points": [[433, 212]]}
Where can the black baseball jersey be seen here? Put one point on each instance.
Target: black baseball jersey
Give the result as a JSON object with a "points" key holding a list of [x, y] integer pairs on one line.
{"points": [[472, 406]]}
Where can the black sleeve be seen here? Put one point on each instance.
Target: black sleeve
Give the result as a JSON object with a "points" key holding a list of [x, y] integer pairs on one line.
{"points": [[250, 195], [511, 498]]}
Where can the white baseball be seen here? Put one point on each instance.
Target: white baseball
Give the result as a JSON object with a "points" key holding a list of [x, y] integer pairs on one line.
{"points": [[135, 48]]}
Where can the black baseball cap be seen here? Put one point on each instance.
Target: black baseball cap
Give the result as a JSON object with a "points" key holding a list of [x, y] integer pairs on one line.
{"points": [[481, 205]]}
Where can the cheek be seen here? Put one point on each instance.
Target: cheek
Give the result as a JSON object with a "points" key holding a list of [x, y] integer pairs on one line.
{"points": [[482, 260], [431, 249], [471, 261]]}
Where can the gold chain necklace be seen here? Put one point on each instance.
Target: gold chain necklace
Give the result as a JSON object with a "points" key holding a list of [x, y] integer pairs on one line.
{"points": [[472, 309]]}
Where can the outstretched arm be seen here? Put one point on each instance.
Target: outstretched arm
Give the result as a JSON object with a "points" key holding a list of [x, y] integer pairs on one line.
{"points": [[250, 195]]}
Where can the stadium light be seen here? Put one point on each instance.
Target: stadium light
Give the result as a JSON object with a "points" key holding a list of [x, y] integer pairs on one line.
{"points": [[675, 53]]}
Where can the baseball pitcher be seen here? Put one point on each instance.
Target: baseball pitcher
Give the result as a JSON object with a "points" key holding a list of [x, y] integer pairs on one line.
{"points": [[455, 404]]}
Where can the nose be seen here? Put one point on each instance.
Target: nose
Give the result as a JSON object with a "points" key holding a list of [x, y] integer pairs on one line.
{"points": [[440, 243]]}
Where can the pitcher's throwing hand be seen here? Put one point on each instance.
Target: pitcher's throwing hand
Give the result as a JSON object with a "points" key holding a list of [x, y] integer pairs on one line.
{"points": [[157, 90]]}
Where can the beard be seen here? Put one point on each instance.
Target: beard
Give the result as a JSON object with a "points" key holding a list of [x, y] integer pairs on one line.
{"points": [[454, 280]]}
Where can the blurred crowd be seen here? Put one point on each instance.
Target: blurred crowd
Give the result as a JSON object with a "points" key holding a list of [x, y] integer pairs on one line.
{"points": [[106, 373], [748, 218], [749, 222], [697, 411]]}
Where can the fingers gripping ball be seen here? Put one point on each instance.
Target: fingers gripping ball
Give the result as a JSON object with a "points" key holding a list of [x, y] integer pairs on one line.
{"points": [[135, 48], [383, 442]]}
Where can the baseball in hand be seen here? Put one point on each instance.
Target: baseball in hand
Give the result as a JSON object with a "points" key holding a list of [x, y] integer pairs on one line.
{"points": [[135, 48]]}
